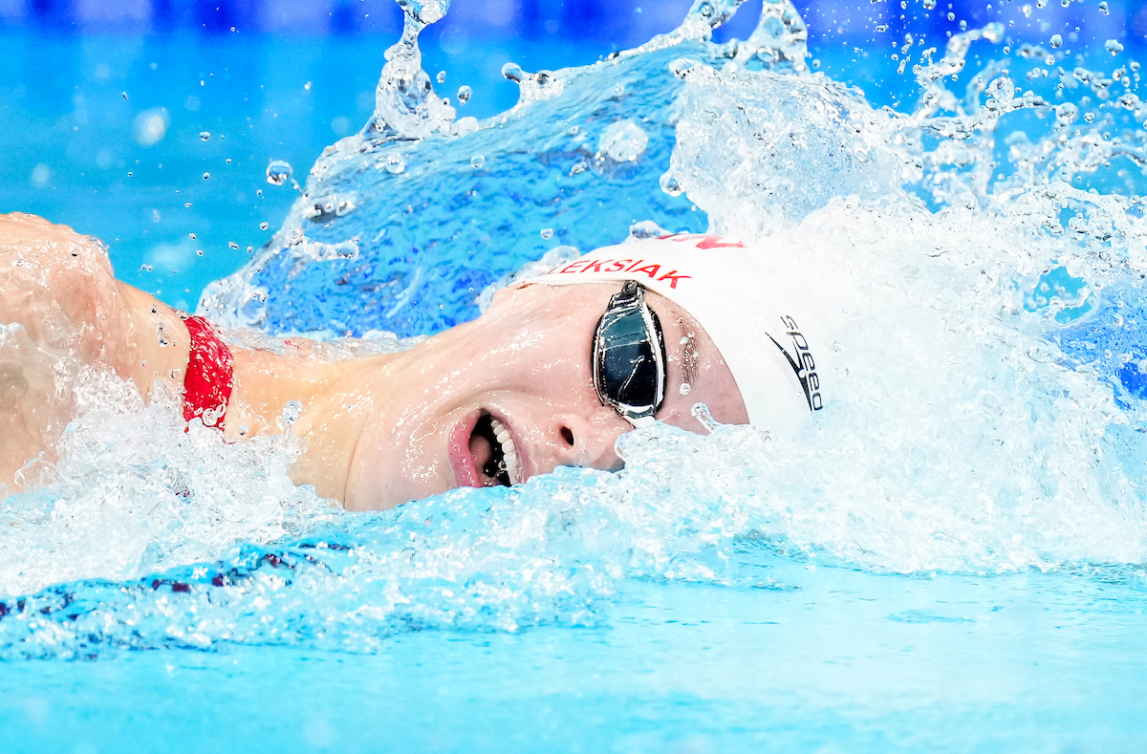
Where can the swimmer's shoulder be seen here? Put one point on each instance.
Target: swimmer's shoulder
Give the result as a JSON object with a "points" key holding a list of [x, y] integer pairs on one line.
{"points": [[49, 271]]}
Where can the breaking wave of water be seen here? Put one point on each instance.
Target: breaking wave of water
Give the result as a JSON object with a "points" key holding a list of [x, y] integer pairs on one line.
{"points": [[985, 251]]}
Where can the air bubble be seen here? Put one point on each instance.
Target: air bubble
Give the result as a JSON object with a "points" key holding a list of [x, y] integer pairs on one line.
{"points": [[206, 176], [1056, 41], [1103, 8], [441, 77], [464, 94], [204, 135], [1113, 46], [233, 245], [547, 233], [929, 4], [278, 172], [477, 161], [264, 225]]}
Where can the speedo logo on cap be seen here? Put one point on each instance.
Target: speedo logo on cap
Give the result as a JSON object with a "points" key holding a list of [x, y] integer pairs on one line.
{"points": [[802, 362], [628, 266]]}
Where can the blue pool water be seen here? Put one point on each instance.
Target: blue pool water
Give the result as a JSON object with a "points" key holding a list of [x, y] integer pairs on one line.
{"points": [[952, 560]]}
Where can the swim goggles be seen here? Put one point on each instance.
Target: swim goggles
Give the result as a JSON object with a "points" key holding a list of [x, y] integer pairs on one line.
{"points": [[629, 356]]}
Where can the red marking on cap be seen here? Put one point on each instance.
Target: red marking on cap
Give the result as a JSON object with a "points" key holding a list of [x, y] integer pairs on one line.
{"points": [[704, 241]]}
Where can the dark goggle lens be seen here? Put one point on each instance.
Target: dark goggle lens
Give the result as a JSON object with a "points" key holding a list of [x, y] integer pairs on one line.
{"points": [[628, 372]]}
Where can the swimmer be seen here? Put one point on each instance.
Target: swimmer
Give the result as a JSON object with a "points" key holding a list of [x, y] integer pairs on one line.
{"points": [[556, 369]]}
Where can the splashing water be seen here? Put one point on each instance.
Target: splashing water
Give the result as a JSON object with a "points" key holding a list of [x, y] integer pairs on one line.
{"points": [[989, 417]]}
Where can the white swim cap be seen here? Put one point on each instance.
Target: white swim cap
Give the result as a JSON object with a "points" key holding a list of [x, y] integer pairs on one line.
{"points": [[752, 306]]}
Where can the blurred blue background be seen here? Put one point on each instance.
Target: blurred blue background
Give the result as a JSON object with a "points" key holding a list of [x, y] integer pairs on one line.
{"points": [[150, 123]]}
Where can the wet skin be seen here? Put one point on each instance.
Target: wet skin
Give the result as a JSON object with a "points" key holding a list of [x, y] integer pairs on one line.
{"points": [[381, 430]]}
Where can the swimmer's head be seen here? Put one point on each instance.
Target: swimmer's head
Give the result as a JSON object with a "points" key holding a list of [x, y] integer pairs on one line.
{"points": [[500, 399], [522, 389], [755, 312]]}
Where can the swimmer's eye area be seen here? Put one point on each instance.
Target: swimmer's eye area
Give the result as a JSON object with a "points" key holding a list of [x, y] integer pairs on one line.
{"points": [[629, 356]]}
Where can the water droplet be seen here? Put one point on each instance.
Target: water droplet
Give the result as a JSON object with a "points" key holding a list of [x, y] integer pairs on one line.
{"points": [[264, 226], [477, 161], [205, 135], [1056, 41], [206, 176], [951, 16], [191, 236], [701, 413], [513, 72], [624, 141], [441, 77], [278, 172], [291, 412], [929, 4], [685, 388], [228, 160], [258, 192], [307, 86], [395, 164], [1103, 8], [578, 168], [199, 252], [150, 126], [129, 174], [464, 94], [187, 204], [547, 233], [1113, 46], [233, 245], [250, 249], [670, 185], [124, 94], [1066, 114]]}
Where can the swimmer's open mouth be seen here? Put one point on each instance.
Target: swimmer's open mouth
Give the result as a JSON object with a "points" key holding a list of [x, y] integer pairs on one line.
{"points": [[495, 454]]}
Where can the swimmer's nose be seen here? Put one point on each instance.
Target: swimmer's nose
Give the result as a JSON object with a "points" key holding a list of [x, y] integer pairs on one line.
{"points": [[589, 441]]}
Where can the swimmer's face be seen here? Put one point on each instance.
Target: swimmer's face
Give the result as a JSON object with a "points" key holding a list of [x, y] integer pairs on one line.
{"points": [[511, 394]]}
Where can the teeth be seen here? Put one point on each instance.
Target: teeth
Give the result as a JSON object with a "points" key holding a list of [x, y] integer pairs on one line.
{"points": [[509, 451]]}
